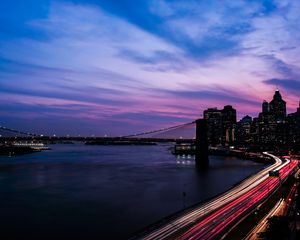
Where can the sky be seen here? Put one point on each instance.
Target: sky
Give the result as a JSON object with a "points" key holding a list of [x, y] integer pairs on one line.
{"points": [[96, 67]]}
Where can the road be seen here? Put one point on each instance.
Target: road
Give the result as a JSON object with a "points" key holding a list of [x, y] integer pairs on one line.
{"points": [[214, 225], [280, 209], [229, 206], [261, 226]]}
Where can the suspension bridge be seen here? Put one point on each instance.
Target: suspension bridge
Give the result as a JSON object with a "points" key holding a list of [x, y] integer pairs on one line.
{"points": [[6, 132], [194, 132], [180, 131]]}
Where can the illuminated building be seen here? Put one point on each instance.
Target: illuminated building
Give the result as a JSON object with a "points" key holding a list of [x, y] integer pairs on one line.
{"points": [[221, 125], [278, 106]]}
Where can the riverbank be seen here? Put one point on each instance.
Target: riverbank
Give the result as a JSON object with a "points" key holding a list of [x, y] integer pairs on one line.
{"points": [[190, 149], [13, 150], [242, 154]]}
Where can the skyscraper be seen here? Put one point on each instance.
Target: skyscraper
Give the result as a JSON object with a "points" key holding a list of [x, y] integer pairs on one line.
{"points": [[272, 125], [244, 130], [278, 106], [221, 125], [213, 117], [293, 120], [228, 124], [265, 106]]}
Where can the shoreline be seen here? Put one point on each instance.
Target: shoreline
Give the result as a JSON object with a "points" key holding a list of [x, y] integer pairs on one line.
{"points": [[16, 151]]}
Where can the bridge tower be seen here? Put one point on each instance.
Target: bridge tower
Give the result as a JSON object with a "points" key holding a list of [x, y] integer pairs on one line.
{"points": [[202, 160]]}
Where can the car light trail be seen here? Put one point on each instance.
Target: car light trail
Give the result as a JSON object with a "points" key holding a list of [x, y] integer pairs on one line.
{"points": [[262, 224], [217, 222], [209, 217]]}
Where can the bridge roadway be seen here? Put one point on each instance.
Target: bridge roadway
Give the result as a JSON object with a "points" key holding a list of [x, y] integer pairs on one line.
{"points": [[210, 219]]}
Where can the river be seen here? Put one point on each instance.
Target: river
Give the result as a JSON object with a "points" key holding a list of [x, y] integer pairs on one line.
{"points": [[105, 192]]}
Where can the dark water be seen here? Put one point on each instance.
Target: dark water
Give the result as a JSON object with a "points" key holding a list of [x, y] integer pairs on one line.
{"points": [[104, 192]]}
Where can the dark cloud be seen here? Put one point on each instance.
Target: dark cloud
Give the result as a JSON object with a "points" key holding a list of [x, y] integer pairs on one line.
{"points": [[11, 66], [156, 117], [62, 83], [80, 95], [41, 109], [279, 65], [157, 61], [288, 84]]}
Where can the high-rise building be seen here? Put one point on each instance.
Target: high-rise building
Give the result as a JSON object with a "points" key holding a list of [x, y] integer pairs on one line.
{"points": [[220, 125], [243, 130], [265, 106], [271, 121], [229, 114], [278, 106], [229, 125], [213, 118], [254, 131], [271, 129], [293, 130]]}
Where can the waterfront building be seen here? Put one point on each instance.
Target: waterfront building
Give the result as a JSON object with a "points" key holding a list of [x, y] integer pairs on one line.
{"points": [[213, 117], [221, 125], [273, 128], [228, 125], [243, 136], [270, 128]]}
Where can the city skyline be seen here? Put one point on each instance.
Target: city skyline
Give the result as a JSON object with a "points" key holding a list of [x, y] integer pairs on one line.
{"points": [[102, 67]]}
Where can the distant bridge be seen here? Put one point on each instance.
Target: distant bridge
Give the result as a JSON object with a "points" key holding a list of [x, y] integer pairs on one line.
{"points": [[9, 132], [193, 131], [164, 132], [180, 131]]}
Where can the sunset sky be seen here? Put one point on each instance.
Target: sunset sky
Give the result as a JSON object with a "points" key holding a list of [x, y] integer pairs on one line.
{"points": [[122, 66]]}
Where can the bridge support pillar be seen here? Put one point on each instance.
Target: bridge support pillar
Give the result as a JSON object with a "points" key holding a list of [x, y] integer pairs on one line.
{"points": [[202, 160]]}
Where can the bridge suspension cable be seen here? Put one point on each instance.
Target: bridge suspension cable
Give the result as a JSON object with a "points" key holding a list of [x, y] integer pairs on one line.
{"points": [[167, 129], [10, 130], [173, 131]]}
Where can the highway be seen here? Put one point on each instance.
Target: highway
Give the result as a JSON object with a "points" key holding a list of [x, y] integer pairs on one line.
{"points": [[280, 209], [261, 226], [212, 226], [207, 220]]}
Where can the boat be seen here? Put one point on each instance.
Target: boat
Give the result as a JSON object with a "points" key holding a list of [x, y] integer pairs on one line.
{"points": [[184, 148], [34, 145]]}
